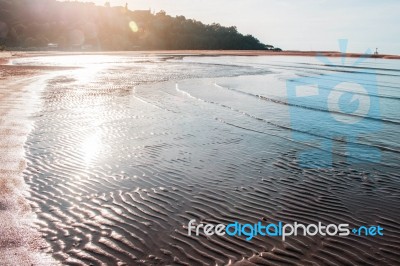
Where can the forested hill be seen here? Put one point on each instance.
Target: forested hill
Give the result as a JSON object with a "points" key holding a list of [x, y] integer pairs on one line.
{"points": [[76, 25]]}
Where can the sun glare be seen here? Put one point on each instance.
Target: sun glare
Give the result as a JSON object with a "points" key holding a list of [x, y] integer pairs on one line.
{"points": [[91, 146], [133, 26]]}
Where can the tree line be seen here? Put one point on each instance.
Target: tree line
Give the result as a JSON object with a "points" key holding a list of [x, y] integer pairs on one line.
{"points": [[76, 25]]}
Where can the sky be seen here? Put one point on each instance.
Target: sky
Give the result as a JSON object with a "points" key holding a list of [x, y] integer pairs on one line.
{"points": [[295, 24]]}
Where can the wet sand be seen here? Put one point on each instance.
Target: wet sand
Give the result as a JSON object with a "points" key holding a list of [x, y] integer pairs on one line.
{"points": [[121, 158], [20, 242]]}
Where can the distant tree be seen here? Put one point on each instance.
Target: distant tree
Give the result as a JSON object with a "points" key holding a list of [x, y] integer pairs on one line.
{"points": [[30, 42], [13, 38], [42, 41], [62, 42], [161, 13], [38, 22]]}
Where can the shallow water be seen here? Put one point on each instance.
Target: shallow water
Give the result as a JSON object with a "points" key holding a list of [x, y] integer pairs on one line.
{"points": [[127, 149]]}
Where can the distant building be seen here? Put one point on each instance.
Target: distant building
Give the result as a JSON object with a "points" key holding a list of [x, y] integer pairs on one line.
{"points": [[53, 46], [142, 12]]}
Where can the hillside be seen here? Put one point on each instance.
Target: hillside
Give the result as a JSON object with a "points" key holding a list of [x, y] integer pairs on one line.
{"points": [[74, 25]]}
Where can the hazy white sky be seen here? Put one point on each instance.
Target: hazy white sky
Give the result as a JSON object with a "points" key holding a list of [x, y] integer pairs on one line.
{"points": [[295, 24]]}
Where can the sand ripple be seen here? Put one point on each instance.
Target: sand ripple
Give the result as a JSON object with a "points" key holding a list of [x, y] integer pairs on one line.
{"points": [[117, 167]]}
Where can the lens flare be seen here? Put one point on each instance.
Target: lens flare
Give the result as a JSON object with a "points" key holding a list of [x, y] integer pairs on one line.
{"points": [[133, 26]]}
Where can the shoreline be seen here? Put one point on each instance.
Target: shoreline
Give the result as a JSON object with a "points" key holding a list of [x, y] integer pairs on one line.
{"points": [[20, 241], [200, 53]]}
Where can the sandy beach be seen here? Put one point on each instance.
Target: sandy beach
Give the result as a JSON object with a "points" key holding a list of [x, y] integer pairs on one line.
{"points": [[106, 157], [177, 133], [20, 242]]}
